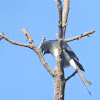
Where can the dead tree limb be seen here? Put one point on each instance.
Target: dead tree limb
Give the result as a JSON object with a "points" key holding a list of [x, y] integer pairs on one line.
{"points": [[32, 46], [59, 84], [65, 16], [70, 76], [13, 42], [79, 36]]}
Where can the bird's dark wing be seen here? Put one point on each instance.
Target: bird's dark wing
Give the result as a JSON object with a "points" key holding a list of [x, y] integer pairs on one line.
{"points": [[69, 51], [72, 54]]}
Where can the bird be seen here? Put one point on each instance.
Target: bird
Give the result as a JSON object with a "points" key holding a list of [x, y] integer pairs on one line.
{"points": [[69, 57]]}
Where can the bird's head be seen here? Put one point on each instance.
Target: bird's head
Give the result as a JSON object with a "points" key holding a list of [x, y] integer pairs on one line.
{"points": [[45, 48]]}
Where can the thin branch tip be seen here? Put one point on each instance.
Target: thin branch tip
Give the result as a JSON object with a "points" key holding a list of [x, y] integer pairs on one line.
{"points": [[56, 34], [41, 42], [73, 74], [79, 36], [25, 31]]}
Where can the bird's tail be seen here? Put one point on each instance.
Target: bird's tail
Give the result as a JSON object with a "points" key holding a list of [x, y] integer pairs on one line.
{"points": [[82, 77], [84, 80], [75, 66]]}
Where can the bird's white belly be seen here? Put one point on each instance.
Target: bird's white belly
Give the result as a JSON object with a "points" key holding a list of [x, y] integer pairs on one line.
{"points": [[55, 53], [66, 57]]}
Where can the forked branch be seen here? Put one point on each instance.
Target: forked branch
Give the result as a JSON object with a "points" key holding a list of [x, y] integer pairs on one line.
{"points": [[32, 46]]}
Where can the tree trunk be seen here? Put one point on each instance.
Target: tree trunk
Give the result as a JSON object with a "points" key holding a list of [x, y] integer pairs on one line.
{"points": [[59, 84]]}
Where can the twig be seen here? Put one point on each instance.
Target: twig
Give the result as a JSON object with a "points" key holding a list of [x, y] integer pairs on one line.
{"points": [[56, 34], [70, 76], [27, 35], [13, 42], [32, 46], [41, 43], [37, 51], [79, 36]]}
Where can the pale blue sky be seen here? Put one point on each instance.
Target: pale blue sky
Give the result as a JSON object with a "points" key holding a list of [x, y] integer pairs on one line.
{"points": [[22, 76]]}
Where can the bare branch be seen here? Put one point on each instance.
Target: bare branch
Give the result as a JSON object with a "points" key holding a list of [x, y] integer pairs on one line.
{"points": [[48, 68], [13, 42], [32, 46], [59, 84], [27, 35], [60, 34], [59, 5], [65, 16], [37, 51], [79, 36], [41, 42], [56, 34], [70, 76]]}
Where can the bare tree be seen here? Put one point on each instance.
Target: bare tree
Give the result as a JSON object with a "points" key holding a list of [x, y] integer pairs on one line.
{"points": [[58, 72]]}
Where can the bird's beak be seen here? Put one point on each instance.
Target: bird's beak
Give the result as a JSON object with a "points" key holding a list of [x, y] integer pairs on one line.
{"points": [[43, 53]]}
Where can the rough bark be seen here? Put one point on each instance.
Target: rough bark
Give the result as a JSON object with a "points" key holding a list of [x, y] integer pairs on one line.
{"points": [[59, 80], [59, 83], [65, 16]]}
